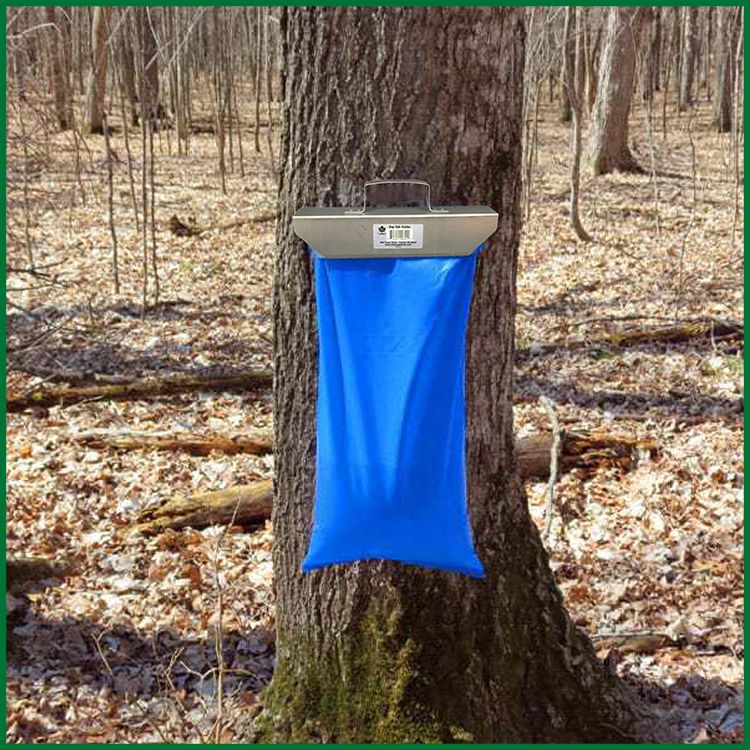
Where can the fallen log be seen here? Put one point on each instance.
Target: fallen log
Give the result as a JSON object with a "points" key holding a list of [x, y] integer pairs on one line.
{"points": [[718, 330], [196, 445], [583, 451], [579, 450], [250, 504], [180, 229], [244, 505], [635, 643], [148, 388]]}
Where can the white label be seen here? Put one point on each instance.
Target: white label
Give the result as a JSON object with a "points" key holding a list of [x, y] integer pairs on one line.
{"points": [[394, 236]]}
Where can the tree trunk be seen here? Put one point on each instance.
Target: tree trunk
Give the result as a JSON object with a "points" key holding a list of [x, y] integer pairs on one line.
{"points": [[677, 51], [654, 68], [689, 56], [609, 130], [127, 72], [258, 71], [592, 65], [98, 80], [65, 21], [707, 49], [149, 66], [574, 92], [728, 32], [377, 650], [60, 80], [568, 63]]}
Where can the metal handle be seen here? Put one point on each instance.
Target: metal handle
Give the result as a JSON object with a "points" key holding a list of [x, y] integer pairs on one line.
{"points": [[423, 183]]}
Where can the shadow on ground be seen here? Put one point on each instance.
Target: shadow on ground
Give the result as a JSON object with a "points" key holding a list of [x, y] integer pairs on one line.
{"points": [[128, 668], [133, 668]]}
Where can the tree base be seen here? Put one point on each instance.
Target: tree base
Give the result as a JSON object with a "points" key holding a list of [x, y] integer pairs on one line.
{"points": [[385, 680], [623, 162]]}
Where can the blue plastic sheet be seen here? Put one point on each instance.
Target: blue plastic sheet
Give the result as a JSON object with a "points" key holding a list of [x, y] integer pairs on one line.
{"points": [[391, 478]]}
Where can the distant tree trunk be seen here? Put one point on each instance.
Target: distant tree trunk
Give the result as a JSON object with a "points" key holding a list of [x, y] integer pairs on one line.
{"points": [[608, 142], [707, 48], [574, 90], [668, 58], [258, 72], [177, 77], [650, 56], [127, 72], [65, 22], [267, 61], [80, 36], [654, 71], [728, 32], [98, 80], [149, 64], [380, 651], [677, 31], [60, 80], [689, 55], [592, 65], [568, 53]]}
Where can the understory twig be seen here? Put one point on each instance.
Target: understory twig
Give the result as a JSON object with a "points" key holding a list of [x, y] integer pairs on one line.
{"points": [[554, 453]]}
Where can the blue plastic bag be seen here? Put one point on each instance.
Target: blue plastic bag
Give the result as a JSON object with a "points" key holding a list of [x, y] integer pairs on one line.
{"points": [[391, 478]]}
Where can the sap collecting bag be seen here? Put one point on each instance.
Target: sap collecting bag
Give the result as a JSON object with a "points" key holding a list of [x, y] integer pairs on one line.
{"points": [[393, 290]]}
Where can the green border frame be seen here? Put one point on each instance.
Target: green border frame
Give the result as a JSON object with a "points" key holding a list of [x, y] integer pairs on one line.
{"points": [[3, 155]]}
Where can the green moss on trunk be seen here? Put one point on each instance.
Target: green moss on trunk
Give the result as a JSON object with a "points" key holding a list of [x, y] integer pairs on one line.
{"points": [[365, 688]]}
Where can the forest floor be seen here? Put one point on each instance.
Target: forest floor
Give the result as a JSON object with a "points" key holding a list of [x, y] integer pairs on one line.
{"points": [[128, 647]]}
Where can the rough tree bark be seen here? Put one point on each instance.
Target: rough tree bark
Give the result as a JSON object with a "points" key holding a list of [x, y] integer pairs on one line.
{"points": [[707, 49], [593, 46], [654, 67], [127, 70], [728, 33], [608, 142], [98, 80], [689, 55], [60, 72], [676, 47], [378, 651], [574, 91], [149, 65], [568, 64]]}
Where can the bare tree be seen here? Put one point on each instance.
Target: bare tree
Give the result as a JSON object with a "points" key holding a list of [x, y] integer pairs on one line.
{"points": [[608, 142], [60, 71], [648, 56], [592, 48], [690, 48], [568, 63], [653, 75], [111, 210], [728, 34], [126, 72], [707, 47], [258, 71], [97, 86], [676, 48], [574, 90], [149, 64]]}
